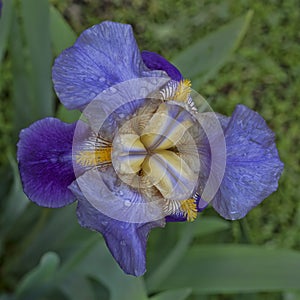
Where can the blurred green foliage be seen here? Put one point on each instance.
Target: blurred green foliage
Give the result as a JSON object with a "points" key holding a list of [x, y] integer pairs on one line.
{"points": [[44, 254]]}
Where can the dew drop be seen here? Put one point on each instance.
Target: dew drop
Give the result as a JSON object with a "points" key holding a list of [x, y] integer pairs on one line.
{"points": [[123, 243], [92, 95], [127, 203]]}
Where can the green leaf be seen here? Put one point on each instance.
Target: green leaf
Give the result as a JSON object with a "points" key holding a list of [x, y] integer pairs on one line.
{"points": [[77, 287], [5, 25], [68, 116], [210, 225], [100, 290], [47, 230], [41, 275], [235, 268], [36, 25], [200, 227], [171, 295], [62, 35], [203, 59], [21, 92], [171, 261], [16, 201], [31, 59], [94, 260]]}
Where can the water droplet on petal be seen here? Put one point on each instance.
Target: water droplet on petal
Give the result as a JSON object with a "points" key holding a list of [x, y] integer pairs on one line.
{"points": [[92, 95], [127, 203], [123, 243]]}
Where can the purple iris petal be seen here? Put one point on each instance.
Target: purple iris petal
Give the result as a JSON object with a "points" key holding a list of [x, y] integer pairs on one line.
{"points": [[45, 162], [175, 218], [155, 61], [126, 241], [103, 55], [253, 166], [0, 7]]}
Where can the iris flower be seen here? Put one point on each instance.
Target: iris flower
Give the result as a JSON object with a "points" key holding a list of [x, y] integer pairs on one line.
{"points": [[142, 154]]}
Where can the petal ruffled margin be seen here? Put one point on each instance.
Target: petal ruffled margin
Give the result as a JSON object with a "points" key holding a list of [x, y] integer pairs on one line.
{"points": [[253, 167], [126, 241], [45, 162], [103, 55], [155, 61]]}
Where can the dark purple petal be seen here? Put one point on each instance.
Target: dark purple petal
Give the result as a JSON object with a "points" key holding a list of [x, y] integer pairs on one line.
{"points": [[155, 61], [253, 166], [126, 241], [0, 7], [45, 162], [103, 55], [175, 218]]}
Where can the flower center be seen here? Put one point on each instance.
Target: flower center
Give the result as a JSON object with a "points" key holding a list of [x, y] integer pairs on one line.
{"points": [[147, 154], [156, 151]]}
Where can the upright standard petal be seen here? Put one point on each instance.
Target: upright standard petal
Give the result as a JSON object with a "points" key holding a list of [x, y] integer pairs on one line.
{"points": [[126, 241], [103, 55], [253, 167], [45, 162], [155, 61]]}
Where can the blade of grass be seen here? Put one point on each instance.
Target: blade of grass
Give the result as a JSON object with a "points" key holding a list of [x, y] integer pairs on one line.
{"points": [[36, 25], [199, 228], [213, 269], [168, 265], [40, 275], [68, 116], [62, 35], [170, 295], [21, 94], [16, 201], [100, 265]]}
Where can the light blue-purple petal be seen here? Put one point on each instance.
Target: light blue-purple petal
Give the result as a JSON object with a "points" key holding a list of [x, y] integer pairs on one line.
{"points": [[126, 241], [253, 166], [103, 55], [45, 162], [155, 61]]}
